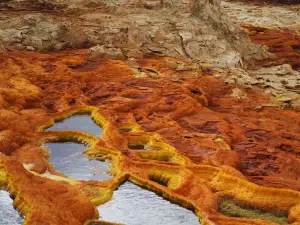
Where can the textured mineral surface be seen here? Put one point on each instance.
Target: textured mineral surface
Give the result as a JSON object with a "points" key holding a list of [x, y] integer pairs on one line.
{"points": [[200, 110], [203, 146]]}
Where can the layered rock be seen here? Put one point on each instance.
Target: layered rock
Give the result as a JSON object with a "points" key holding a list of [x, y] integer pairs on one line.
{"points": [[280, 81], [277, 27], [268, 16], [283, 44], [139, 28]]}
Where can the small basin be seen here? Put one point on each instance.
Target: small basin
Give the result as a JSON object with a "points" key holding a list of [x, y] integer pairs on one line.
{"points": [[132, 205], [78, 122], [69, 159], [8, 214]]}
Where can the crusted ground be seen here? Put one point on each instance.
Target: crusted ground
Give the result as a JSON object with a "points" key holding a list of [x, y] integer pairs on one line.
{"points": [[205, 101], [207, 142], [277, 27]]}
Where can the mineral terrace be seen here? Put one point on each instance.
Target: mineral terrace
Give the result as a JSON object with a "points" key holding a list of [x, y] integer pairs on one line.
{"points": [[195, 100]]}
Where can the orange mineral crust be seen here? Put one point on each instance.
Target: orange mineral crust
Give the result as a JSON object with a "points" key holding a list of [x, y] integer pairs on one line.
{"points": [[231, 161], [284, 44]]}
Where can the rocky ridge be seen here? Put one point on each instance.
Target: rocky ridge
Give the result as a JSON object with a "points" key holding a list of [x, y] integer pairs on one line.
{"points": [[277, 27], [203, 34]]}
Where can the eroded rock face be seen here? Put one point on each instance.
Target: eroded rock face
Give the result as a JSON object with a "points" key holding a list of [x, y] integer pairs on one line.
{"points": [[38, 32], [283, 44], [275, 26], [133, 29], [280, 81], [101, 52], [268, 16], [199, 139]]}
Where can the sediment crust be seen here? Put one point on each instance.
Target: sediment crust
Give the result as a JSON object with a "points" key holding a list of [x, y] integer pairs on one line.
{"points": [[203, 143]]}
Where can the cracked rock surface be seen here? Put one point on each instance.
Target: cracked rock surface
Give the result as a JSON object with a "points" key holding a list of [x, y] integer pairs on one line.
{"points": [[267, 15], [281, 81], [133, 28]]}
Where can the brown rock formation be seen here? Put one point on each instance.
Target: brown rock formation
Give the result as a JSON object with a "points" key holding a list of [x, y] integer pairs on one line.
{"points": [[132, 28], [285, 45]]}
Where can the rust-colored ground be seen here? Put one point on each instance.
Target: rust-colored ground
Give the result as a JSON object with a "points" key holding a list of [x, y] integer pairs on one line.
{"points": [[204, 145], [284, 44]]}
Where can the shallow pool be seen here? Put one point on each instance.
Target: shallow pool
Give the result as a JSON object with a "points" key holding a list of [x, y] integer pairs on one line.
{"points": [[69, 159], [132, 205], [78, 122], [8, 214]]}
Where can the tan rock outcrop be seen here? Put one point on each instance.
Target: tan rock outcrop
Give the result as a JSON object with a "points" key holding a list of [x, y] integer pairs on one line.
{"points": [[203, 33]]}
